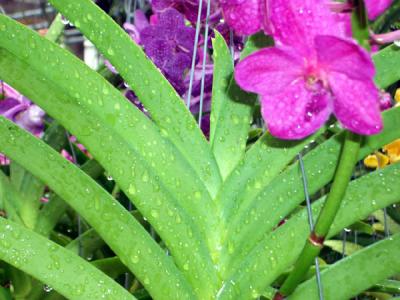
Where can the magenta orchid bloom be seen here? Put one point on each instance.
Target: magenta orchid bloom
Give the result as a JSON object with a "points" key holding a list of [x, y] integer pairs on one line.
{"points": [[313, 70], [376, 7]]}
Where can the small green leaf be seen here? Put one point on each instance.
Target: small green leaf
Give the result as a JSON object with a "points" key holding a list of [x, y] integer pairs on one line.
{"points": [[11, 198], [393, 227], [52, 211], [337, 245], [355, 273]]}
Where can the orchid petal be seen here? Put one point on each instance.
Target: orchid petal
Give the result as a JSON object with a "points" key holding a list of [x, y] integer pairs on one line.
{"points": [[297, 22], [7, 104], [344, 56], [268, 71], [376, 7], [244, 16], [356, 104], [297, 112]]}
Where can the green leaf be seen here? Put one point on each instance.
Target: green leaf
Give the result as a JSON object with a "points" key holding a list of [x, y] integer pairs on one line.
{"points": [[362, 227], [231, 111], [337, 246], [112, 266], [280, 248], [118, 228], [388, 286], [256, 42], [56, 29], [52, 211], [64, 271], [11, 198], [356, 273], [278, 198], [232, 108], [387, 63], [393, 227], [30, 190], [165, 106], [5, 294], [88, 242], [261, 164], [146, 166], [29, 187]]}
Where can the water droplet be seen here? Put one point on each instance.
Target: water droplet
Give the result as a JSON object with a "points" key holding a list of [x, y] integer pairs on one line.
{"points": [[132, 190], [47, 288], [110, 52], [134, 259], [145, 176], [154, 214]]}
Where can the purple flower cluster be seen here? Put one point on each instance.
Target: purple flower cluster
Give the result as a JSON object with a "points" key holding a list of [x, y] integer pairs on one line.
{"points": [[21, 110], [168, 39], [169, 43]]}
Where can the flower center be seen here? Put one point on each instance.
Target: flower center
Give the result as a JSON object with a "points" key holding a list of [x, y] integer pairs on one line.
{"points": [[318, 96]]}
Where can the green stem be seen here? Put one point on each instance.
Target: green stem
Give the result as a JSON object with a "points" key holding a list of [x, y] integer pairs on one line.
{"points": [[115, 192], [314, 243], [359, 23], [56, 29]]}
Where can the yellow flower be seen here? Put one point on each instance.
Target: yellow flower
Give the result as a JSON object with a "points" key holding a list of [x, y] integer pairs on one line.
{"points": [[377, 160], [392, 150], [397, 97]]}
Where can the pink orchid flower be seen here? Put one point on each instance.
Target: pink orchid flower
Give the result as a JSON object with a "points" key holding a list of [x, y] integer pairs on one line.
{"points": [[376, 7], [314, 70]]}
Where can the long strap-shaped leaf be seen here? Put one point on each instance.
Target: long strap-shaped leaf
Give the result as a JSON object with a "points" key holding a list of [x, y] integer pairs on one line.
{"points": [[265, 209], [232, 108], [118, 136], [231, 112], [114, 224], [165, 106], [356, 273], [48, 262], [279, 249]]}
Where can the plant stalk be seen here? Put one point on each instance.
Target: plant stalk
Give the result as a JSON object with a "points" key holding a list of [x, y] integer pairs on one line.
{"points": [[325, 219], [56, 29]]}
